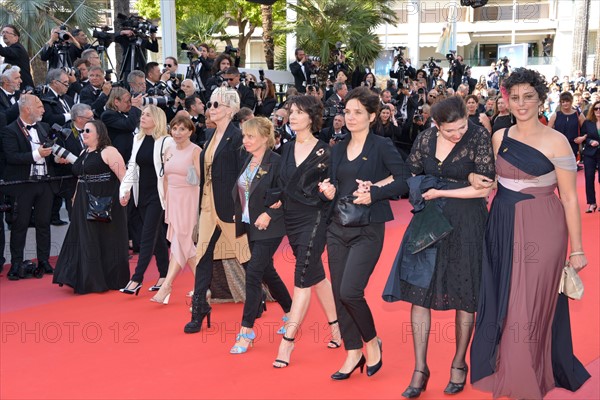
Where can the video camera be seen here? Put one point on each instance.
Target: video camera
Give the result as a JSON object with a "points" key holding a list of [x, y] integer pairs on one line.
{"points": [[261, 84], [104, 37], [141, 27]]}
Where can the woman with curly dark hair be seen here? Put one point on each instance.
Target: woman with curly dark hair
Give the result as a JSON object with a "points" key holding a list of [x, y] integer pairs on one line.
{"points": [[522, 345]]}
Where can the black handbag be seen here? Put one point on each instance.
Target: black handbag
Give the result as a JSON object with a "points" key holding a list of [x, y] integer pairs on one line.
{"points": [[347, 213], [428, 227], [99, 208]]}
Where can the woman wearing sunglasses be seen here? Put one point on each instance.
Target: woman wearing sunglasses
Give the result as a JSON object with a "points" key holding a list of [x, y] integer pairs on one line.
{"points": [[221, 160], [94, 255], [145, 173]]}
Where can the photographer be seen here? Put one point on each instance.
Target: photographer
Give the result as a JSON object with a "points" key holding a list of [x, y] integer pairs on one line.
{"points": [[25, 149], [335, 103], [432, 80], [81, 69], [280, 119], [96, 93], [80, 38], [92, 57], [195, 109], [202, 66], [221, 64], [121, 120], [336, 132], [133, 39], [10, 82], [503, 68], [247, 98], [15, 54], [457, 70], [387, 126], [57, 103], [57, 50], [302, 69], [265, 98], [340, 61]]}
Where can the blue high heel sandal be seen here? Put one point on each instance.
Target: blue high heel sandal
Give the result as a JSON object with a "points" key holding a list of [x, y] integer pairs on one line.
{"points": [[281, 330], [237, 349]]}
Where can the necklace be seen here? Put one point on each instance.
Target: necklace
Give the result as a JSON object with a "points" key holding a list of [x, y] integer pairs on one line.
{"points": [[303, 141]]}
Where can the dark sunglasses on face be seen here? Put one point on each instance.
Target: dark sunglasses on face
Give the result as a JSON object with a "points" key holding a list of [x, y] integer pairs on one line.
{"points": [[211, 104], [596, 108], [167, 65], [87, 130], [230, 79]]}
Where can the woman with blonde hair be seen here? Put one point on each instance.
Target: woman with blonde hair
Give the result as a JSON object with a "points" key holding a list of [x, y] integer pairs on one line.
{"points": [[253, 195], [221, 160], [144, 175]]}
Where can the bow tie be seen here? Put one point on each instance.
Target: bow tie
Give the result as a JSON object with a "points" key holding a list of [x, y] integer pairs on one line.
{"points": [[30, 127], [79, 131], [10, 96]]}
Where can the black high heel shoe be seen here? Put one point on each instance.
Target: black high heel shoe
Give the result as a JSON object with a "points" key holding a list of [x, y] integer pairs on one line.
{"points": [[372, 370], [200, 309], [591, 208], [135, 290], [340, 376], [282, 362], [332, 343], [454, 388], [412, 392]]}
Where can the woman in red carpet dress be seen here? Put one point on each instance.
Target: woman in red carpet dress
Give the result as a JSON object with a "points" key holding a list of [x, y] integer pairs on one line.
{"points": [[522, 346]]}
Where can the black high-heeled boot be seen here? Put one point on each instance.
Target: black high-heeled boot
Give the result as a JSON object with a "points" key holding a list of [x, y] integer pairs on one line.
{"points": [[200, 309]]}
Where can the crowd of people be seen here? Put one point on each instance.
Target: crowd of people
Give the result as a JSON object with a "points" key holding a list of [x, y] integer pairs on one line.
{"points": [[220, 169]]}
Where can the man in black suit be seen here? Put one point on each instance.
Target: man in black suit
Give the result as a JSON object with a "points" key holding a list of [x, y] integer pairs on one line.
{"points": [[57, 103], [335, 103], [27, 163], [127, 39], [79, 37], [50, 52], [301, 69], [96, 93], [336, 132], [10, 82], [75, 88], [15, 53], [247, 98], [121, 120]]}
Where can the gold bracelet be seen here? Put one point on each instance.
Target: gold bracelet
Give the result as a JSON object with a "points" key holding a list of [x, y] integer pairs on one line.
{"points": [[577, 253]]}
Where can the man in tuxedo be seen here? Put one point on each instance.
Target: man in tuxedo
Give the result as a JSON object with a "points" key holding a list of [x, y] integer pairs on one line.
{"points": [[92, 57], [195, 108], [27, 163], [50, 51], [57, 103], [75, 88], [335, 102], [79, 37], [15, 54], [301, 69], [127, 39], [96, 93], [10, 82], [247, 98], [73, 142]]}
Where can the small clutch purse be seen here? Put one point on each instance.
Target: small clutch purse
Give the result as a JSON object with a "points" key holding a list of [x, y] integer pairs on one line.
{"points": [[192, 178], [347, 213], [570, 283]]}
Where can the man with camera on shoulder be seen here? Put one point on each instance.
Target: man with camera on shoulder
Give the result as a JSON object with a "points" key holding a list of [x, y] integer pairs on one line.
{"points": [[26, 150]]}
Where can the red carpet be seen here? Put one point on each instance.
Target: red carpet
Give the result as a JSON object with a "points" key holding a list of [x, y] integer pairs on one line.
{"points": [[56, 345]]}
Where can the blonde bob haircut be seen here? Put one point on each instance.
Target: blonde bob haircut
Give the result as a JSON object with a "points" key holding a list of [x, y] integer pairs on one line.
{"points": [[228, 97], [260, 126], [160, 123]]}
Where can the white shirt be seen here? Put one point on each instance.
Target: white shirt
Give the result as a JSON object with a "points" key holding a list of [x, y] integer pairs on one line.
{"points": [[39, 166]]}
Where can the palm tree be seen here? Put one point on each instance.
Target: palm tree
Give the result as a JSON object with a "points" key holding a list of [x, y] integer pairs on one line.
{"points": [[322, 23], [580, 35], [36, 19], [268, 40], [201, 28]]}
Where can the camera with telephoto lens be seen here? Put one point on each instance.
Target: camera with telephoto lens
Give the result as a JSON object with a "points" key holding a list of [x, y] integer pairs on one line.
{"points": [[101, 33], [140, 27], [56, 132], [72, 71], [231, 50], [29, 269], [418, 116], [313, 58]]}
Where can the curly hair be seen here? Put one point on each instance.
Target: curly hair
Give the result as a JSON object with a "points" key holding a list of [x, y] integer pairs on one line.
{"points": [[527, 76], [310, 105]]}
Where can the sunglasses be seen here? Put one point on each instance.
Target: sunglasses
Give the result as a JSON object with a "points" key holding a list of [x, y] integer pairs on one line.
{"points": [[230, 79], [167, 65], [215, 104], [596, 108], [433, 97], [87, 130]]}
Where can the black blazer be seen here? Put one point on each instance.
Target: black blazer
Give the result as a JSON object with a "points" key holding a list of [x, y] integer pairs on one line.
{"points": [[17, 152], [263, 189], [227, 163], [120, 129], [16, 54], [94, 98], [11, 111], [299, 76], [53, 109], [379, 159], [247, 98], [589, 128]]}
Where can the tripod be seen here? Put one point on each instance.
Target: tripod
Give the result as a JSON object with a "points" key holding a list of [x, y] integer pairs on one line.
{"points": [[104, 58], [133, 59], [64, 59]]}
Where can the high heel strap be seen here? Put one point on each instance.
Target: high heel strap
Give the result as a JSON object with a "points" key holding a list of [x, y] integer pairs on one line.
{"points": [[333, 322], [287, 339], [465, 369]]}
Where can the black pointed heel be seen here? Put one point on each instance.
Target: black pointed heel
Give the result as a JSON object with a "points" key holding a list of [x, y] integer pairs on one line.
{"points": [[135, 290], [372, 370], [454, 388], [284, 363], [412, 392], [340, 376]]}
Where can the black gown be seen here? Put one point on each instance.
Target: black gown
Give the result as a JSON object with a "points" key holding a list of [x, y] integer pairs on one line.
{"points": [[94, 255], [305, 213]]}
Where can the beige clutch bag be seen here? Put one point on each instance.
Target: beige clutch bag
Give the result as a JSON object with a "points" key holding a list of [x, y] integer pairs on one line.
{"points": [[570, 283]]}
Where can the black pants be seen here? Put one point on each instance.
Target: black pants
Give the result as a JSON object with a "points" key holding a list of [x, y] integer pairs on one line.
{"points": [[134, 225], [353, 254], [260, 268], [27, 196], [591, 166], [204, 269], [66, 192], [152, 241]]}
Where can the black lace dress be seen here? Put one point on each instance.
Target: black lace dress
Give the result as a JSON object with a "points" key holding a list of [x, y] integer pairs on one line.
{"points": [[455, 281], [94, 256]]}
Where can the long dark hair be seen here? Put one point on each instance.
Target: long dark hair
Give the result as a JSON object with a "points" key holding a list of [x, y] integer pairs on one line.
{"points": [[103, 138]]}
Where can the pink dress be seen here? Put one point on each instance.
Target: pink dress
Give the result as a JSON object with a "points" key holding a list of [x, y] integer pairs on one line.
{"points": [[182, 201]]}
